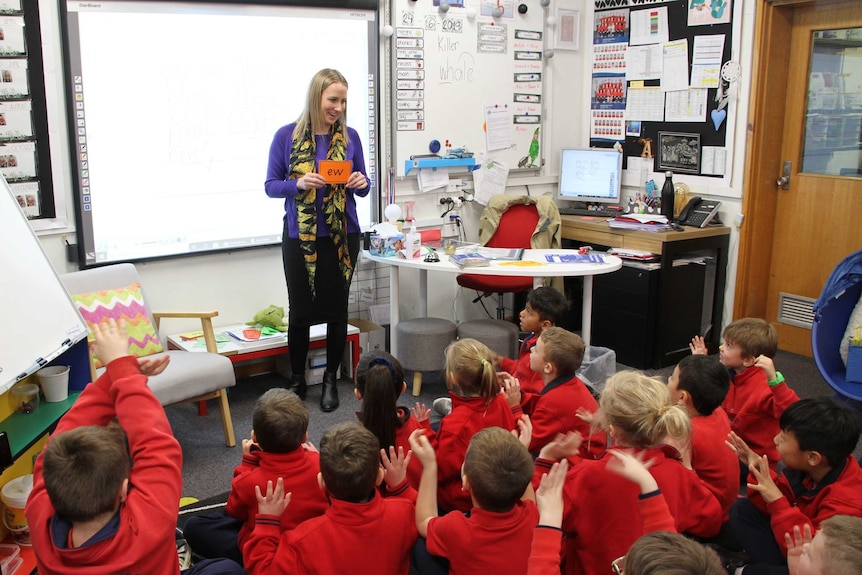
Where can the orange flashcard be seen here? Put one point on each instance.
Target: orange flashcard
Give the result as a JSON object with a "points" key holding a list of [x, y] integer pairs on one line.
{"points": [[335, 172]]}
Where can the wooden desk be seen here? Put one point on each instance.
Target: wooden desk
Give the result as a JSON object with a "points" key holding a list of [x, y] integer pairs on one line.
{"points": [[712, 241]]}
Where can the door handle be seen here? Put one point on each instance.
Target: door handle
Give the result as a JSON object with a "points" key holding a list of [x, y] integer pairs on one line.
{"points": [[784, 181]]}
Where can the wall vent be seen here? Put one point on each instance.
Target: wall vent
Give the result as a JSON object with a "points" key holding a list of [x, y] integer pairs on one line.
{"points": [[796, 310]]}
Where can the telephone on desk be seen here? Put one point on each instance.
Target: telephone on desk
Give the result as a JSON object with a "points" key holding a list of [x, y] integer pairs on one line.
{"points": [[699, 213]]}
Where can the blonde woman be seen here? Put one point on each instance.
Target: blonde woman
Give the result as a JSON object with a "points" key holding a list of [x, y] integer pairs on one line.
{"points": [[321, 232]]}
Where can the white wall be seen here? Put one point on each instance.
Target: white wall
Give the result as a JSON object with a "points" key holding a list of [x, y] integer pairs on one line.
{"points": [[240, 283]]}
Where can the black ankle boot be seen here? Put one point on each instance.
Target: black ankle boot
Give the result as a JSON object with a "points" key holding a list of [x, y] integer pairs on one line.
{"points": [[298, 386], [329, 395]]}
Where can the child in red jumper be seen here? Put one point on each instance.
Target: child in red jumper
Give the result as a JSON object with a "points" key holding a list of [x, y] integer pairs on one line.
{"points": [[556, 357], [699, 384], [545, 307], [100, 508], [599, 504], [821, 479], [361, 533], [497, 473], [758, 395], [276, 449], [476, 404], [379, 382]]}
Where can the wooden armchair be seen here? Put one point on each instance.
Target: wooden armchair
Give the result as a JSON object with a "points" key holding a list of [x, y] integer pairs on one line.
{"points": [[115, 291]]}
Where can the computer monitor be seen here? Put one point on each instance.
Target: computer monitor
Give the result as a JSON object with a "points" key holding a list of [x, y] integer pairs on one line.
{"points": [[590, 175]]}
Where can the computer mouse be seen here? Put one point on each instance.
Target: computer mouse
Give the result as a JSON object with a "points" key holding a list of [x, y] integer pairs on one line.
{"points": [[677, 227]]}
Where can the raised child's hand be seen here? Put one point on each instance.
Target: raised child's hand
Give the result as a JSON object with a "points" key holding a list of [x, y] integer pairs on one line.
{"points": [[797, 546], [745, 454], [766, 364], [421, 448], [549, 496], [420, 412], [698, 346], [153, 365], [511, 388], [111, 341], [524, 430], [562, 446], [633, 467], [395, 465], [765, 485], [248, 445], [275, 501], [585, 416]]}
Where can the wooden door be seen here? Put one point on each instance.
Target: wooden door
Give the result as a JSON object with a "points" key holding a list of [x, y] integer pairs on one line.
{"points": [[799, 234]]}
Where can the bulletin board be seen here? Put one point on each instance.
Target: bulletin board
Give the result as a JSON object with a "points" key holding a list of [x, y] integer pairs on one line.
{"points": [[657, 84], [467, 79]]}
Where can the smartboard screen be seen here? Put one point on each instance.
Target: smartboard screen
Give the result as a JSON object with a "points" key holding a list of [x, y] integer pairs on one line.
{"points": [[172, 108]]}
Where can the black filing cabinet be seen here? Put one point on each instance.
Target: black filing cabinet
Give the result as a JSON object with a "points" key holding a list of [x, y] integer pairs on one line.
{"points": [[627, 316]]}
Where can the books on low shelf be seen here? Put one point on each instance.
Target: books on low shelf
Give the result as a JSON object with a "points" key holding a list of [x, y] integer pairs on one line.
{"points": [[469, 260]]}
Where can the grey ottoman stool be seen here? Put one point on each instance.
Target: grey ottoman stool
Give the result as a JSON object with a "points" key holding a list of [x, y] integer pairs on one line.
{"points": [[421, 343], [500, 336]]}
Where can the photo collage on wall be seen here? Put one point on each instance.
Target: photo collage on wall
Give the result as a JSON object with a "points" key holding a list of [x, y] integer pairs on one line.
{"points": [[656, 86], [19, 139]]}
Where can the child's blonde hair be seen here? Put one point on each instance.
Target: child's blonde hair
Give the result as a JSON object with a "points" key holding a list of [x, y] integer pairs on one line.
{"points": [[639, 408], [470, 368]]}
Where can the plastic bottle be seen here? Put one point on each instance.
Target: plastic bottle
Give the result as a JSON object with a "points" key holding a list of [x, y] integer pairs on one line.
{"points": [[667, 196], [413, 242]]}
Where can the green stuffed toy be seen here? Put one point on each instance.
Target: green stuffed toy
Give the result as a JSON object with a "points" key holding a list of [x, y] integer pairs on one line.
{"points": [[272, 316]]}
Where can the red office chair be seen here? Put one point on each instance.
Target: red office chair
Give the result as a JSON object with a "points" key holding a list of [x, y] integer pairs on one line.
{"points": [[515, 230]]}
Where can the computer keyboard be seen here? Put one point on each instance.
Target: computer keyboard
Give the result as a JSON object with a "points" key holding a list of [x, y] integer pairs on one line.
{"points": [[604, 213]]}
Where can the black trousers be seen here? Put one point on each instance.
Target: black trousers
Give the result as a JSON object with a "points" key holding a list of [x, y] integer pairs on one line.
{"points": [[327, 305]]}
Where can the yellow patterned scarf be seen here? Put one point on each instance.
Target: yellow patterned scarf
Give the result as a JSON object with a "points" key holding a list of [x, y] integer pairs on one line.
{"points": [[302, 161]]}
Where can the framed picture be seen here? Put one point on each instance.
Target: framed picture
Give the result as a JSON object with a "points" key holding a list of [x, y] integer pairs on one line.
{"points": [[679, 152], [568, 33]]}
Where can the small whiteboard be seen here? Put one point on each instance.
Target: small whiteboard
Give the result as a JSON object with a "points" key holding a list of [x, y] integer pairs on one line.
{"points": [[39, 319]]}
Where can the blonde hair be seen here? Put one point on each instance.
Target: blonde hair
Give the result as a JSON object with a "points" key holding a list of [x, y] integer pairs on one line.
{"points": [[843, 545], [470, 368], [313, 113], [639, 407]]}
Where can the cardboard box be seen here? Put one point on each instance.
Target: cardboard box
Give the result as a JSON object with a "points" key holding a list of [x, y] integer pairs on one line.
{"points": [[372, 337], [386, 246]]}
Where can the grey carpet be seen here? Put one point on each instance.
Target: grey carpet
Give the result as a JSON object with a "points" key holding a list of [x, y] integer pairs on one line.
{"points": [[208, 465]]}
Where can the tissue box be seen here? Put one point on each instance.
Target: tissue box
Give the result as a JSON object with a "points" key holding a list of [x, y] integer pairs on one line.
{"points": [[854, 364], [386, 246]]}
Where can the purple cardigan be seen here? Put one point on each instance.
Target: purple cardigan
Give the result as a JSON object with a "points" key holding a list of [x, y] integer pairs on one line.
{"points": [[278, 186]]}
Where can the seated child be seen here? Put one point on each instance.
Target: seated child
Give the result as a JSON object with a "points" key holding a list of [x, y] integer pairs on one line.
{"points": [[476, 404], [280, 428], [835, 550], [556, 357], [100, 505], [821, 479], [379, 382], [758, 395], [600, 505], [699, 384], [497, 474], [361, 533], [545, 552], [663, 552], [545, 307]]}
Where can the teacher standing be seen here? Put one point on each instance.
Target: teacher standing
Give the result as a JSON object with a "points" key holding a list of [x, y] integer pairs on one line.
{"points": [[321, 232]]}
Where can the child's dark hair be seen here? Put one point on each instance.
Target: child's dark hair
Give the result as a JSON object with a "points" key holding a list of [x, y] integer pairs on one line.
{"points": [[280, 421], [349, 461], [549, 304], [820, 424], [498, 467], [84, 469], [564, 349], [705, 380], [470, 368], [753, 336], [379, 380]]}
